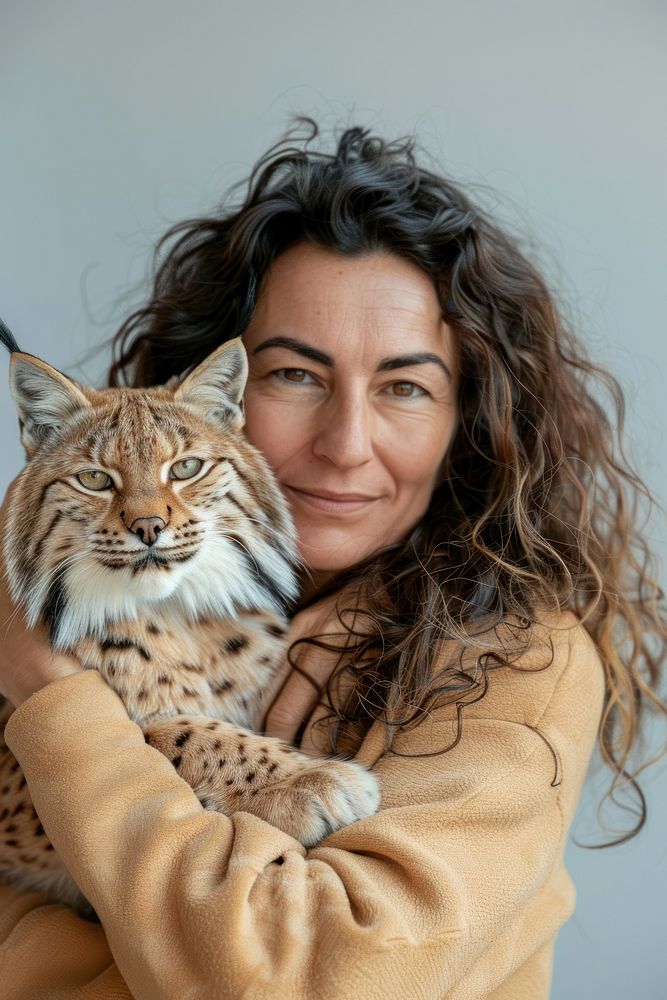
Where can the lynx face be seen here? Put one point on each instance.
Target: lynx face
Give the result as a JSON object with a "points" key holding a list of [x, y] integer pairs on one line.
{"points": [[135, 499]]}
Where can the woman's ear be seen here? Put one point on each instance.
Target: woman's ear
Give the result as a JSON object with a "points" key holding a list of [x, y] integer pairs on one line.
{"points": [[216, 385]]}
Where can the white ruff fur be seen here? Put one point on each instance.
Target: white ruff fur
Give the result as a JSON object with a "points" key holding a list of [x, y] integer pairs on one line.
{"points": [[216, 582]]}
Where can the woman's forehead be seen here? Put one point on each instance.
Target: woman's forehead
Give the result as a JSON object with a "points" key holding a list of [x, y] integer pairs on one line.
{"points": [[378, 304]]}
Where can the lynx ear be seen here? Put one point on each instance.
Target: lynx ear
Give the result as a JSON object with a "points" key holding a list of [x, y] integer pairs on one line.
{"points": [[44, 398], [217, 384]]}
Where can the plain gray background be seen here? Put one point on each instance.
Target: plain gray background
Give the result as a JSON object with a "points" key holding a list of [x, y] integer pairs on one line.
{"points": [[118, 119]]}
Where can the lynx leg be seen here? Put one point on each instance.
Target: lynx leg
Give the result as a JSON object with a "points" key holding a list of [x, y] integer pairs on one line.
{"points": [[233, 770]]}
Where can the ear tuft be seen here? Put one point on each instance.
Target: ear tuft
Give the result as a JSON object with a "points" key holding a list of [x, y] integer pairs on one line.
{"points": [[7, 338]]}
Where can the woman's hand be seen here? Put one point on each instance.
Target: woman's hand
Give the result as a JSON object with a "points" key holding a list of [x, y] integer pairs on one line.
{"points": [[294, 697], [27, 662]]}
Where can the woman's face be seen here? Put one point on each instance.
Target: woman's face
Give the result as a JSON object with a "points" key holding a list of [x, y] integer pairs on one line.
{"points": [[351, 397]]}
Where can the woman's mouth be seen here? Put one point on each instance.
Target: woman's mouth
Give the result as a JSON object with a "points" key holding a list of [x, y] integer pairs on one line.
{"points": [[332, 503]]}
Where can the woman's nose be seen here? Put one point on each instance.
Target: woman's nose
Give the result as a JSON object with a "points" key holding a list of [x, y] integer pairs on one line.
{"points": [[345, 433]]}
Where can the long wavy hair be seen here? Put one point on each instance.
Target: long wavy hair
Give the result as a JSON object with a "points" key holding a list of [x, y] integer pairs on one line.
{"points": [[539, 506]]}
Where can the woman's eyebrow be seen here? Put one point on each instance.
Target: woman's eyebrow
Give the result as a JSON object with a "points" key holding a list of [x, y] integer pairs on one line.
{"points": [[299, 348], [406, 360], [386, 365]]}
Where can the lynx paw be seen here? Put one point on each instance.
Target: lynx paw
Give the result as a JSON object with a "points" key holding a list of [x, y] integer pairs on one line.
{"points": [[232, 770], [324, 797]]}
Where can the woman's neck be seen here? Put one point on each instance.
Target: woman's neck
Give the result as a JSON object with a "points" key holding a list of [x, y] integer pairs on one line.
{"points": [[315, 584]]}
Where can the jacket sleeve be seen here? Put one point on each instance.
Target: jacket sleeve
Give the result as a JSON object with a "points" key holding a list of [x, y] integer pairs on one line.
{"points": [[447, 891], [47, 951]]}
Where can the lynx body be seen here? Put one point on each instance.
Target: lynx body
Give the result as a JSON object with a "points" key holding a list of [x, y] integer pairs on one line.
{"points": [[154, 542]]}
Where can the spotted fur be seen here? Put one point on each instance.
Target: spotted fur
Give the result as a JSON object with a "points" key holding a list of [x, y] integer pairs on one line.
{"points": [[176, 590]]}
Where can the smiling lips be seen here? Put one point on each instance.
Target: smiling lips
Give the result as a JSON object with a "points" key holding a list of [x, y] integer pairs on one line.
{"points": [[333, 503]]}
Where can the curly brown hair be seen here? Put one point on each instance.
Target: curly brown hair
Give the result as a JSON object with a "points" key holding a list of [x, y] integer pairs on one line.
{"points": [[539, 506]]}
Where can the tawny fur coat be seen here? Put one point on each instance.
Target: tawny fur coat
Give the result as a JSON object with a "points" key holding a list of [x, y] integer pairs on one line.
{"points": [[455, 889]]}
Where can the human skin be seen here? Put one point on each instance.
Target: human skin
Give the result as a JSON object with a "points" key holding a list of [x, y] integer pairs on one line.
{"points": [[27, 662], [351, 425], [356, 425], [355, 439]]}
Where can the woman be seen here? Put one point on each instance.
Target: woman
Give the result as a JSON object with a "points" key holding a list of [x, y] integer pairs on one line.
{"points": [[469, 541]]}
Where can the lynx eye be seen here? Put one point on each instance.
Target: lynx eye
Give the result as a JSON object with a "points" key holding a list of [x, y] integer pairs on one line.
{"points": [[93, 479], [186, 468]]}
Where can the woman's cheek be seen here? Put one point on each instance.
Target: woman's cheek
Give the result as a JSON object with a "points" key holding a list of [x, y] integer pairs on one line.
{"points": [[417, 442], [274, 425]]}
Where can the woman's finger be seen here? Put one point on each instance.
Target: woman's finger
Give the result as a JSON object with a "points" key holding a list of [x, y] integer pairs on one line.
{"points": [[304, 675], [295, 703]]}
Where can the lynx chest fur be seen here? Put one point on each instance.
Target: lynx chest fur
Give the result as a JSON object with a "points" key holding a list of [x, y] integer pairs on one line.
{"points": [[162, 667]]}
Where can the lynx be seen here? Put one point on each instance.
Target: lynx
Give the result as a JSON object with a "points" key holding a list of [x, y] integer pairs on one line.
{"points": [[153, 541]]}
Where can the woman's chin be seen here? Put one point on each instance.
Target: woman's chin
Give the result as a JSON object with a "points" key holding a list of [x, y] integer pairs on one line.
{"points": [[329, 555]]}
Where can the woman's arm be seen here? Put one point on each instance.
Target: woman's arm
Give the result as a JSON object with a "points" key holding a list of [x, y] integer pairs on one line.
{"points": [[47, 951], [455, 886], [27, 662]]}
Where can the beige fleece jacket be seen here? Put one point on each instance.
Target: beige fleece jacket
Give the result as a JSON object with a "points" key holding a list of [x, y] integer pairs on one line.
{"points": [[455, 889]]}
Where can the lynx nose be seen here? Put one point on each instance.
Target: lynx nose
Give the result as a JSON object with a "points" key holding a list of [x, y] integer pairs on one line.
{"points": [[147, 529]]}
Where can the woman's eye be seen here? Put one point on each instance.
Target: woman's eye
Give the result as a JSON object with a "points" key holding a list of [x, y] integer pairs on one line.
{"points": [[406, 390], [186, 468], [93, 479], [295, 375]]}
